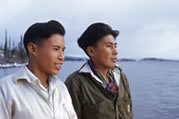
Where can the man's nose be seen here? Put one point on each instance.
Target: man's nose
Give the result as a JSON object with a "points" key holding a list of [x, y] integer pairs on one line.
{"points": [[61, 55], [115, 52]]}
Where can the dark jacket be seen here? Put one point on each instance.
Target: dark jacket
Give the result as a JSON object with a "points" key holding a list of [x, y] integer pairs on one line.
{"points": [[92, 101]]}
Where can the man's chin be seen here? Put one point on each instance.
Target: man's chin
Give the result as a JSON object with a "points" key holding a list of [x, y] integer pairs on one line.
{"points": [[55, 73], [113, 65]]}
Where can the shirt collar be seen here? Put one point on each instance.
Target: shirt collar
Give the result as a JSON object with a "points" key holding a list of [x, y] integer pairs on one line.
{"points": [[25, 74], [21, 75], [51, 79], [32, 77], [116, 71]]}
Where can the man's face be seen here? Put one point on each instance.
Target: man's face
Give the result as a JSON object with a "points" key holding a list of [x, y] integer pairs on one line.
{"points": [[105, 53], [50, 55]]}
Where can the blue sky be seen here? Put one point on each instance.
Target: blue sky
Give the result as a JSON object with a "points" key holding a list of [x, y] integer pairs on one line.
{"points": [[148, 28]]}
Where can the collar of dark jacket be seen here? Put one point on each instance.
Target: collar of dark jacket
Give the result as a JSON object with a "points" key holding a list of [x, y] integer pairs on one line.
{"points": [[116, 71]]}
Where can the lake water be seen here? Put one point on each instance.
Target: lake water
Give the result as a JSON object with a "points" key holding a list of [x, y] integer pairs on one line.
{"points": [[154, 86]]}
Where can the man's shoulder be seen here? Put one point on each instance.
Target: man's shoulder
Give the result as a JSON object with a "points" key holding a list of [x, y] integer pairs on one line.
{"points": [[62, 89], [7, 84], [76, 78], [73, 75], [7, 79], [60, 84], [10, 79], [77, 75]]}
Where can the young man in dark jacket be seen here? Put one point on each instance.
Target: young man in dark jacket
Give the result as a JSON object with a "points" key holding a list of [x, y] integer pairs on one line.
{"points": [[99, 89]]}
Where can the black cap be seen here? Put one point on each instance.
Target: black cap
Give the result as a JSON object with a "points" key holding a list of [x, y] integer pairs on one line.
{"points": [[94, 33]]}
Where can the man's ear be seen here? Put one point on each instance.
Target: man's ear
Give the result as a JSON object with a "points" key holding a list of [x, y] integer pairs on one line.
{"points": [[90, 51], [32, 49]]}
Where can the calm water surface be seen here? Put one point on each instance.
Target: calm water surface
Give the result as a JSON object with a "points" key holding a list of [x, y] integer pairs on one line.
{"points": [[154, 86]]}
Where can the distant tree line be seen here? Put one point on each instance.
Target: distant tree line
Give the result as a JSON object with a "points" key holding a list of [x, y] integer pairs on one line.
{"points": [[13, 51]]}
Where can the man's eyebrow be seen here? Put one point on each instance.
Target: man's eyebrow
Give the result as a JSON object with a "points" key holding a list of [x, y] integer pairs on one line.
{"points": [[111, 43], [57, 46]]}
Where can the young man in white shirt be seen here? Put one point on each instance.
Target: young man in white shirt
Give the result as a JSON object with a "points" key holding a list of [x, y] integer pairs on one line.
{"points": [[34, 92]]}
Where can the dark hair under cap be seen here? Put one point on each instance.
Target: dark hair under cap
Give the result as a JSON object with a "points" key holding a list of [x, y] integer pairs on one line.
{"points": [[41, 31], [94, 33]]}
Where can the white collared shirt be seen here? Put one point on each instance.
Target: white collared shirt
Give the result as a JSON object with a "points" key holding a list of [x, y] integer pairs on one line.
{"points": [[87, 69], [23, 97]]}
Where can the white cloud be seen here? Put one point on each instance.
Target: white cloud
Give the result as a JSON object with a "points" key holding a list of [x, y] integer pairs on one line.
{"points": [[10, 8], [148, 27], [157, 40]]}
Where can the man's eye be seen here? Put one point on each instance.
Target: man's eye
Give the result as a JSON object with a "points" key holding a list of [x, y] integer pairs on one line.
{"points": [[109, 46], [55, 48]]}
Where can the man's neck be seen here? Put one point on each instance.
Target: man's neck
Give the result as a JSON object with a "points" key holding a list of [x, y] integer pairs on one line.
{"points": [[103, 71], [40, 75]]}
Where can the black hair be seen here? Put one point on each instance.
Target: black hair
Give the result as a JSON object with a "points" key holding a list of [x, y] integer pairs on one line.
{"points": [[41, 31], [94, 33]]}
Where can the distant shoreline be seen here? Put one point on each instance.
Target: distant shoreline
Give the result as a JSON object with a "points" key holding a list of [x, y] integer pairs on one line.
{"points": [[4, 64]]}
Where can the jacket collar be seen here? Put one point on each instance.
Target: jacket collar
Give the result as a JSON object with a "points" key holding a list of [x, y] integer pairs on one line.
{"points": [[116, 71]]}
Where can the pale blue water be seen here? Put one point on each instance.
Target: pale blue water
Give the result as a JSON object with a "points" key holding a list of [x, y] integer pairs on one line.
{"points": [[154, 86]]}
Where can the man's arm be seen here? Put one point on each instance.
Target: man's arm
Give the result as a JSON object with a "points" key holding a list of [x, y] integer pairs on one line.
{"points": [[127, 89], [74, 91], [3, 107]]}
